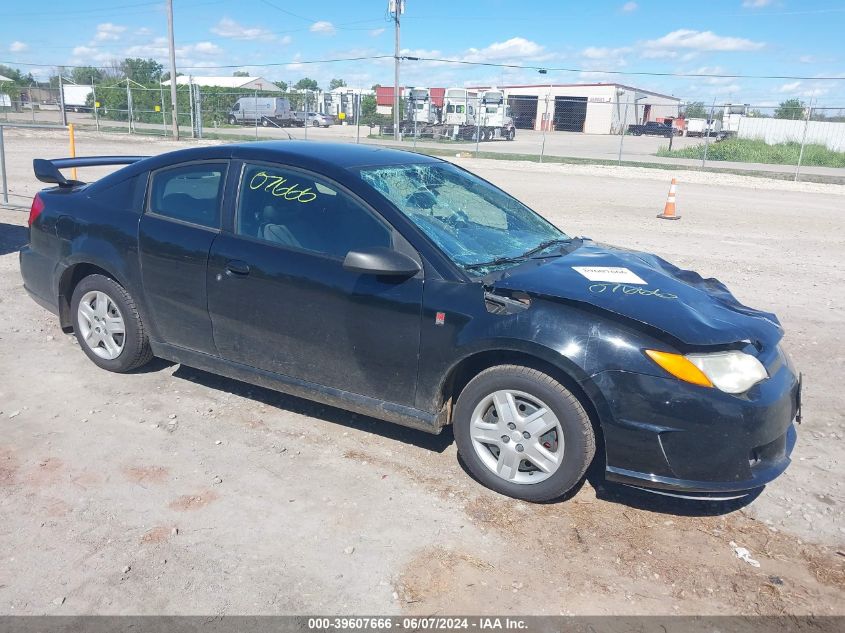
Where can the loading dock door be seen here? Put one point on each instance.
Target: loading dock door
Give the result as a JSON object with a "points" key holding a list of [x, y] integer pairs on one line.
{"points": [[570, 114], [523, 111]]}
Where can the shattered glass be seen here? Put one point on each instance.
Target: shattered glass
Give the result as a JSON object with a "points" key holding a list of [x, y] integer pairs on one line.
{"points": [[472, 221]]}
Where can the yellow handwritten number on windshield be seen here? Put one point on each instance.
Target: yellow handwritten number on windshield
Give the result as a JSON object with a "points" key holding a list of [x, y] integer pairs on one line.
{"points": [[274, 186]]}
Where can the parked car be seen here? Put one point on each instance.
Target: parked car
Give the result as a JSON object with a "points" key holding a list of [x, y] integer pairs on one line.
{"points": [[652, 128], [268, 111], [403, 287], [314, 119]]}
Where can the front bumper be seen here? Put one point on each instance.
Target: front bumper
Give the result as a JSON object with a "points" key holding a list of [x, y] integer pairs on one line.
{"points": [[666, 435]]}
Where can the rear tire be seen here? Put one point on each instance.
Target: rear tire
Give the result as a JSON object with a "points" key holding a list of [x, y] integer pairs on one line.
{"points": [[108, 326], [539, 458]]}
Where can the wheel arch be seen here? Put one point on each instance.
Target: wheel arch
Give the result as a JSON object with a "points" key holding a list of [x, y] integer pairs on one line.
{"points": [[559, 368], [69, 279]]}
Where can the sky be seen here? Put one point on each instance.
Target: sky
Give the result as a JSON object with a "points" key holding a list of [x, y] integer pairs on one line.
{"points": [[277, 39]]}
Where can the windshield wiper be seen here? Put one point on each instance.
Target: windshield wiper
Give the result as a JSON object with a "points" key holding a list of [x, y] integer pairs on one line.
{"points": [[544, 245], [520, 258], [496, 262]]}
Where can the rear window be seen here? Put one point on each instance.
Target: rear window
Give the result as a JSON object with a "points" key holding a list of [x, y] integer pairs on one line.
{"points": [[189, 193]]}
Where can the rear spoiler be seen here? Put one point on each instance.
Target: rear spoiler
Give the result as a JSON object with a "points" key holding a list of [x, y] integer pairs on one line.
{"points": [[48, 170]]}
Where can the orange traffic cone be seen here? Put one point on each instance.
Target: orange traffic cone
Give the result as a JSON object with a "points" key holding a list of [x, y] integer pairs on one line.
{"points": [[669, 208]]}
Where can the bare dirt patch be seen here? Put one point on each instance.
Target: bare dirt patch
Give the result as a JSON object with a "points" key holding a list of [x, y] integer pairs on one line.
{"points": [[146, 474], [187, 503]]}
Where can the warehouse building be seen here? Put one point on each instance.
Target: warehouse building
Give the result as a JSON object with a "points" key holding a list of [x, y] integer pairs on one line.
{"points": [[244, 83], [588, 108]]}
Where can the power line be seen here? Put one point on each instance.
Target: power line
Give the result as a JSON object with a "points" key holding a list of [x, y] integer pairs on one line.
{"points": [[464, 62], [617, 72]]}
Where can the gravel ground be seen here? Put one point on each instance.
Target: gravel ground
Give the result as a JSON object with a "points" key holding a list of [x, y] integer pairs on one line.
{"points": [[175, 491]]}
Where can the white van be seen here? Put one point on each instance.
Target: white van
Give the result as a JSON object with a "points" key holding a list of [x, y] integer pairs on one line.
{"points": [[266, 110]]}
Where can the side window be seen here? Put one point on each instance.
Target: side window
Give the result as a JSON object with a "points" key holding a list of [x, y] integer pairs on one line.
{"points": [[237, 106], [190, 193], [293, 209]]}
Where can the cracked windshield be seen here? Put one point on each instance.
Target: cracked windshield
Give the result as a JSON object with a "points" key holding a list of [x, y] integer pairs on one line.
{"points": [[479, 226]]}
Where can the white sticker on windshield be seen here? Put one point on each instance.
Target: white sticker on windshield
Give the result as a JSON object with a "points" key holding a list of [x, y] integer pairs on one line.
{"points": [[616, 274]]}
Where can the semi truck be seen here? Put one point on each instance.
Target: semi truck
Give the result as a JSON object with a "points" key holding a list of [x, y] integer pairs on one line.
{"points": [[466, 114]]}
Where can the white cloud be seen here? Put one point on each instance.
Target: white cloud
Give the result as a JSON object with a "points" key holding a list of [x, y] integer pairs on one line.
{"points": [[516, 49], [806, 89], [756, 4], [143, 32], [227, 27], [628, 7], [186, 55], [713, 70], [205, 48], [597, 52], [108, 32], [376, 32], [18, 47], [703, 41], [323, 27], [88, 55]]}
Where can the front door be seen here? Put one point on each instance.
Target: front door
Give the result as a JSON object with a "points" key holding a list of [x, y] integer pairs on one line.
{"points": [[280, 299], [180, 222]]}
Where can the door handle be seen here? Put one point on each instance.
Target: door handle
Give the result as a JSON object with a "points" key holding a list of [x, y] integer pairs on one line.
{"points": [[237, 267]]}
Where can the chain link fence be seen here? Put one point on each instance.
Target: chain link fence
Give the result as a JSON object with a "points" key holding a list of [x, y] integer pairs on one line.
{"points": [[602, 123]]}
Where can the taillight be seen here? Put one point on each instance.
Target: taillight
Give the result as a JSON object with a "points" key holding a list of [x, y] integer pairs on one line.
{"points": [[36, 208]]}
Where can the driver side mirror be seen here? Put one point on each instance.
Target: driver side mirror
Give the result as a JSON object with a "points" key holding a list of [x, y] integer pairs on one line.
{"points": [[380, 261]]}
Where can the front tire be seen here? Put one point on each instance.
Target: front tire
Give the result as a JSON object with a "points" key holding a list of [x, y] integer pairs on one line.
{"points": [[232, 120], [523, 434], [108, 326]]}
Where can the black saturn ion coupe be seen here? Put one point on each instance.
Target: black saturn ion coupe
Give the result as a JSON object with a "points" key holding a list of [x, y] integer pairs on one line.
{"points": [[404, 287]]}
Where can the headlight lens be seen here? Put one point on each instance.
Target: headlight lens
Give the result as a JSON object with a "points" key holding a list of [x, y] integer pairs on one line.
{"points": [[731, 371]]}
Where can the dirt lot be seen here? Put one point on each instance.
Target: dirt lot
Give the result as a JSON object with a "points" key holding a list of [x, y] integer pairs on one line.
{"points": [[174, 491]]}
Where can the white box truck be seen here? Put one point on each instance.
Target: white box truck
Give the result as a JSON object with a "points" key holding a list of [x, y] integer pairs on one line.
{"points": [[76, 97]]}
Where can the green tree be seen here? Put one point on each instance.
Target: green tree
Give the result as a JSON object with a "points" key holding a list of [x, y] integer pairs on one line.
{"points": [[283, 86], [369, 111], [336, 83], [695, 110], [306, 84], [85, 75], [144, 71], [240, 73], [790, 109], [16, 75]]}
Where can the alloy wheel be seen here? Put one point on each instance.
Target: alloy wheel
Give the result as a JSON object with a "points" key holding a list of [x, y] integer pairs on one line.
{"points": [[101, 324], [517, 436]]}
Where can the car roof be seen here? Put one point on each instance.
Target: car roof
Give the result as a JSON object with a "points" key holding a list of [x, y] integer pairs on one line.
{"points": [[343, 155], [327, 158]]}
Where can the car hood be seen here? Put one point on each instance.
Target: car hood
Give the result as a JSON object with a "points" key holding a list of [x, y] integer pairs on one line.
{"points": [[646, 289]]}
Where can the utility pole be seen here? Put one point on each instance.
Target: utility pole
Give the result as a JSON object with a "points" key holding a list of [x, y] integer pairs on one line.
{"points": [[174, 110], [398, 8], [62, 98]]}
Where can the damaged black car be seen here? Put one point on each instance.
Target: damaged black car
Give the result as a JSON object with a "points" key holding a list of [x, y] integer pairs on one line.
{"points": [[403, 287]]}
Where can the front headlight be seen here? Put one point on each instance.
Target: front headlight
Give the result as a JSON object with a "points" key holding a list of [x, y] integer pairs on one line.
{"points": [[731, 371]]}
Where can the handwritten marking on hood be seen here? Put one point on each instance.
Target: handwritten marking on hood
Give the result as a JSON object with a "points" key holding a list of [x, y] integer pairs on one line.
{"points": [[610, 288], [613, 274]]}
